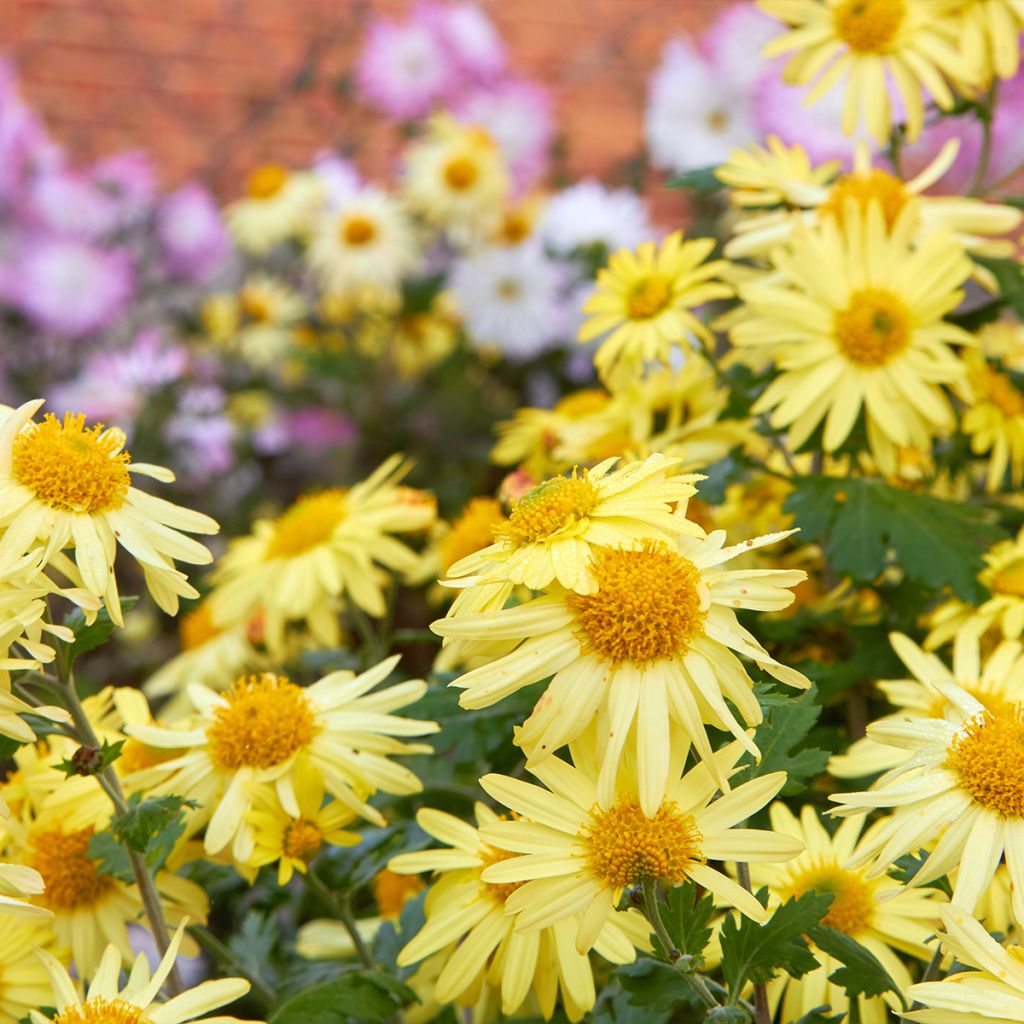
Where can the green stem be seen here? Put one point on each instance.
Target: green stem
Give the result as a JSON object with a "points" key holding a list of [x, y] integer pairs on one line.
{"points": [[762, 1011], [341, 908], [986, 116], [931, 972], [226, 958], [368, 635]]}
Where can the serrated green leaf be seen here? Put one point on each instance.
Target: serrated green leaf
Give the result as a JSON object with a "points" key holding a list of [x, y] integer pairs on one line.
{"points": [[820, 1015], [655, 986], [904, 868], [619, 1010], [152, 826], [686, 919], [861, 974], [357, 996], [111, 857]]}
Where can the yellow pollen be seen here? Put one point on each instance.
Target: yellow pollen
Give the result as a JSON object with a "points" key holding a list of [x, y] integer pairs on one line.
{"points": [[988, 757], [473, 530], [267, 719], [392, 891], [358, 230], [71, 877], [999, 389], [515, 228], [547, 508], [266, 181], [649, 297], [302, 840], [1009, 579], [888, 191], [647, 607], [461, 173], [869, 26], [500, 891], [256, 304], [309, 522], [873, 329], [854, 903], [718, 120], [101, 1011], [70, 467], [196, 627], [624, 846]]}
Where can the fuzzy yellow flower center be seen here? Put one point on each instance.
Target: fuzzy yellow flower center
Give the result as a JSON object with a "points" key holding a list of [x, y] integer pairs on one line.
{"points": [[515, 227], [1009, 579], [649, 297], [888, 191], [101, 1011], [266, 181], [624, 846], [873, 329], [461, 173], [647, 607], [869, 26], [499, 891], [358, 230], [71, 467], [257, 304], [853, 904], [71, 877], [392, 891], [988, 757], [473, 530], [999, 389], [302, 840], [309, 522], [196, 627], [547, 508], [266, 720]]}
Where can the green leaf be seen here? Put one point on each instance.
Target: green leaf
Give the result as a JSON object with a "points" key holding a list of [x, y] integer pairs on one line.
{"points": [[861, 974], [755, 952], [1010, 276], [787, 721], [819, 1016], [357, 996], [655, 986], [111, 857], [152, 826], [618, 1009], [90, 636], [91, 760], [701, 180], [686, 919], [904, 868]]}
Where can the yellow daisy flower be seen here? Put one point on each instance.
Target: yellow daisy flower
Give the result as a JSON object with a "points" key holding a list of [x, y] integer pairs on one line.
{"points": [[856, 324], [278, 205], [774, 175], [412, 342], [267, 732], [64, 484], [24, 982], [961, 782], [645, 298], [17, 882], [323, 548], [988, 35], [866, 44], [879, 913], [652, 644], [993, 991], [105, 1002], [579, 850], [995, 422], [996, 681], [269, 313], [468, 919], [472, 531]]}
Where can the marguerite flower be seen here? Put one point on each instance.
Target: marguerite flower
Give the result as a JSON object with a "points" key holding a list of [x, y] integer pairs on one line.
{"points": [[64, 484], [266, 732], [278, 205], [988, 36], [995, 422]]}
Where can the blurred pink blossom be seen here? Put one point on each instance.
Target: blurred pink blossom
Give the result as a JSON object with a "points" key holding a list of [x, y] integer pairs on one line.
{"points": [[193, 239]]}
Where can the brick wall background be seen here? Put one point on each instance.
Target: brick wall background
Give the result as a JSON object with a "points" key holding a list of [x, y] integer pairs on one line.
{"points": [[215, 87]]}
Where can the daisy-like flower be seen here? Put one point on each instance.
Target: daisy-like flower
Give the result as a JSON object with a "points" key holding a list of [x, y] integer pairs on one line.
{"points": [[266, 732], [467, 921], [995, 422], [64, 484], [471, 532], [774, 174], [579, 849], [588, 214], [363, 247], [652, 643], [961, 783], [993, 991], [995, 681], [105, 1002], [645, 299], [856, 324], [24, 982], [267, 313], [278, 205], [988, 35], [866, 44], [324, 547], [877, 912]]}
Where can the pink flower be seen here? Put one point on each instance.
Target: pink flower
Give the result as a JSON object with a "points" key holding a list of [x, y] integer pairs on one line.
{"points": [[471, 39], [193, 239], [24, 143], [319, 429], [734, 42], [918, 155], [68, 203], [130, 182]]}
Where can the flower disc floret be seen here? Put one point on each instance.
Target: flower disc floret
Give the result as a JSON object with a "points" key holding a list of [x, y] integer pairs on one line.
{"points": [[101, 1011], [71, 467], [472, 531], [649, 297], [869, 26], [1009, 579], [499, 890], [461, 173], [873, 329], [302, 840], [624, 846], [647, 607], [358, 230], [547, 508], [72, 879], [988, 757], [854, 902], [266, 181], [999, 389], [887, 190], [307, 523], [267, 719]]}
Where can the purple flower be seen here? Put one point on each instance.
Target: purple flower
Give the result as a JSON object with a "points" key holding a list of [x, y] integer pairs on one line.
{"points": [[202, 427], [24, 143], [63, 202], [193, 239], [319, 429], [130, 182], [470, 38], [734, 42], [340, 177]]}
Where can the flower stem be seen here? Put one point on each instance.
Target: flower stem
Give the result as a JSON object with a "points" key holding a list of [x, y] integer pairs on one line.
{"points": [[762, 1011], [341, 908], [226, 958], [986, 116]]}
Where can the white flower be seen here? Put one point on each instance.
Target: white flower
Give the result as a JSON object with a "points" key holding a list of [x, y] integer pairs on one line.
{"points": [[589, 214]]}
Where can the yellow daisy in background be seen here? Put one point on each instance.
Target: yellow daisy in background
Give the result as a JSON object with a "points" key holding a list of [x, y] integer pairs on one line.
{"points": [[468, 921], [988, 36], [472, 531], [64, 484], [105, 1002], [267, 732], [996, 682], [269, 311], [652, 644], [278, 205], [774, 175], [24, 981], [325, 547], [578, 851], [856, 323], [883, 916], [645, 299], [866, 44], [961, 783], [995, 421], [412, 342]]}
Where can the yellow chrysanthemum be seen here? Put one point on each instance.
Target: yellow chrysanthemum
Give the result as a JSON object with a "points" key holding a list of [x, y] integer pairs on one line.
{"points": [[267, 732], [24, 982], [877, 912], [866, 44], [988, 36], [856, 323], [774, 175], [412, 342], [645, 299], [471, 532], [995, 421], [653, 644], [105, 1002], [269, 311], [278, 205], [467, 920], [63, 484]]}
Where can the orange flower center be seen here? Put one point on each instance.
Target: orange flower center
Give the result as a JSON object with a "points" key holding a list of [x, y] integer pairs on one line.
{"points": [[547, 508], [266, 181], [358, 230], [649, 297], [988, 756], [473, 530], [71, 877], [196, 627], [873, 329], [869, 26], [461, 173], [888, 191], [309, 522], [101, 1011], [999, 389], [302, 840], [1009, 579], [499, 891], [392, 891]]}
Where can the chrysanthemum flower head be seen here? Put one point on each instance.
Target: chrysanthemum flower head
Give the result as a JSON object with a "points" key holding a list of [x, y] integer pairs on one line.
{"points": [[988, 35], [24, 982], [65, 484], [278, 205], [995, 421]]}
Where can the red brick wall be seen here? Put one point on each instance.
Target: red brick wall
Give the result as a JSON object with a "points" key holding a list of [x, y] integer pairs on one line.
{"points": [[215, 87]]}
